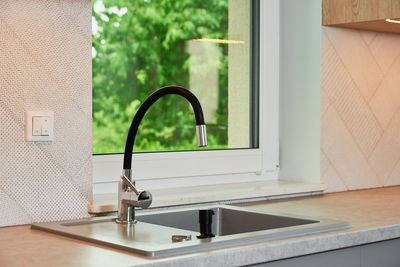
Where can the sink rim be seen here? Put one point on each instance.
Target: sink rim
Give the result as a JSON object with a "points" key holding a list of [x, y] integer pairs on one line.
{"points": [[195, 245], [323, 224]]}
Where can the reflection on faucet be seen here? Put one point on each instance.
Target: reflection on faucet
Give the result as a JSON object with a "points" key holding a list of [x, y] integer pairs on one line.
{"points": [[129, 196], [127, 232]]}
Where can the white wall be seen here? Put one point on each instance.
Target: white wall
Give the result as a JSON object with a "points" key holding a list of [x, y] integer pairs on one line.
{"points": [[45, 63], [300, 53]]}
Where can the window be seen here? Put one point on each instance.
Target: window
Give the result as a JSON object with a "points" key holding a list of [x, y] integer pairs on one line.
{"points": [[210, 47]]}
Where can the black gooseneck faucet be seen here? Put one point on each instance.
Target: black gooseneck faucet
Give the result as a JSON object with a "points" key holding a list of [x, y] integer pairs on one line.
{"points": [[129, 196]]}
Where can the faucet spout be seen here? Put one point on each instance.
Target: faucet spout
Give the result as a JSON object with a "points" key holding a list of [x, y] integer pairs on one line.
{"points": [[129, 196], [201, 135], [168, 90]]}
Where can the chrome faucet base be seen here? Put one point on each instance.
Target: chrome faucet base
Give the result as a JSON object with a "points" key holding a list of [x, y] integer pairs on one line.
{"points": [[126, 222], [129, 198], [126, 213]]}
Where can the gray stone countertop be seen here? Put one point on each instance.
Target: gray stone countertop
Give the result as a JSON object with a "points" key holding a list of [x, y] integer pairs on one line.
{"points": [[374, 215]]}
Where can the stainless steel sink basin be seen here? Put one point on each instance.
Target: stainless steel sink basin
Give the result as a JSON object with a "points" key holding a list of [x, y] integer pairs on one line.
{"points": [[151, 235], [226, 220]]}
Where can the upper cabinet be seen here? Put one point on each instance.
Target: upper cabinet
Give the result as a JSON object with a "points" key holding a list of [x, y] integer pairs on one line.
{"points": [[362, 14]]}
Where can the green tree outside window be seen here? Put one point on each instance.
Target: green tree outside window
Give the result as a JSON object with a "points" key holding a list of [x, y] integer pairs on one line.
{"points": [[142, 45]]}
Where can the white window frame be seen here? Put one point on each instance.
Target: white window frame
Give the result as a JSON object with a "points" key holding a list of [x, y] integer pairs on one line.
{"points": [[218, 165]]}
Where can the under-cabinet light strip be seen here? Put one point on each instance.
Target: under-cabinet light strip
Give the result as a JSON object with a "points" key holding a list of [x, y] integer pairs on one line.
{"points": [[393, 20]]}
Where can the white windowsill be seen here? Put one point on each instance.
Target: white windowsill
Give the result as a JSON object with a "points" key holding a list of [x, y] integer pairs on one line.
{"points": [[235, 192]]}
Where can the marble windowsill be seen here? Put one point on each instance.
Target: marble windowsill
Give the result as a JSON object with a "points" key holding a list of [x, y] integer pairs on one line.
{"points": [[224, 193]]}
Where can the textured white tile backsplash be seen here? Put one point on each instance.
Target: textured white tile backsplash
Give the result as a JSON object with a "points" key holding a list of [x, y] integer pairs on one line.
{"points": [[360, 101], [45, 63]]}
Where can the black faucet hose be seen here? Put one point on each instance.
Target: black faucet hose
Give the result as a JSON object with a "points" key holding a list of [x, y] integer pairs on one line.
{"points": [[168, 90]]}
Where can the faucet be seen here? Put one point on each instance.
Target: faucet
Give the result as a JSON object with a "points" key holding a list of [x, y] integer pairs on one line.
{"points": [[129, 197]]}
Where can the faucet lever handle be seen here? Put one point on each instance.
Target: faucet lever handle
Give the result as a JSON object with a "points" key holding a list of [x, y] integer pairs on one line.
{"points": [[143, 198], [130, 184]]}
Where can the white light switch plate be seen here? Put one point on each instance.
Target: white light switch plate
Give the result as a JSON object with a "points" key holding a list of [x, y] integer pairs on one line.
{"points": [[39, 126]]}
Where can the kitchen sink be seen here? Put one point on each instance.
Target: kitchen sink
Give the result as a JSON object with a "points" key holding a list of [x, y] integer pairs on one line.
{"points": [[226, 221], [152, 235]]}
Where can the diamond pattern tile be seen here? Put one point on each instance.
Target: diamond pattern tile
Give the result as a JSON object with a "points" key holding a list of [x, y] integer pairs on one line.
{"points": [[386, 100], [332, 180], [387, 151], [45, 63], [394, 178], [357, 59], [385, 49], [360, 103], [368, 36], [344, 154], [351, 106]]}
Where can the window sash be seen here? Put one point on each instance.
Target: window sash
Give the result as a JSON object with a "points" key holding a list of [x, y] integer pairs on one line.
{"points": [[258, 161]]}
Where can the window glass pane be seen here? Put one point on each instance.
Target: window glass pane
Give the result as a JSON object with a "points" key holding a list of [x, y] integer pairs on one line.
{"points": [[202, 45]]}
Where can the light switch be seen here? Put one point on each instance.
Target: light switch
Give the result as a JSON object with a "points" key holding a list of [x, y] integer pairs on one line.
{"points": [[36, 126], [39, 126], [45, 123]]}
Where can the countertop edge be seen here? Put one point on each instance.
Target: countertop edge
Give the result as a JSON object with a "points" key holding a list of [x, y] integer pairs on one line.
{"points": [[282, 249]]}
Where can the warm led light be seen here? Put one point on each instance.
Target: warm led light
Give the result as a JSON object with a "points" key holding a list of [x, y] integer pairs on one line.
{"points": [[393, 20], [219, 41]]}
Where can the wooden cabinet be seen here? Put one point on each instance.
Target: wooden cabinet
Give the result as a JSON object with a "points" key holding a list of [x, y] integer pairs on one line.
{"points": [[362, 14]]}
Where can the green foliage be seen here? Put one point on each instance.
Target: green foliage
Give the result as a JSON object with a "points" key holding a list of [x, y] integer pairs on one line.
{"points": [[139, 47]]}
